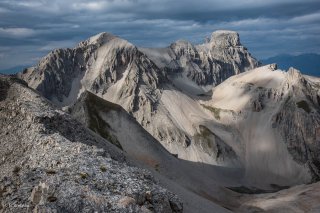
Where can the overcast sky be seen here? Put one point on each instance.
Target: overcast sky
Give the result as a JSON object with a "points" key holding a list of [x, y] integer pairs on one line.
{"points": [[29, 29]]}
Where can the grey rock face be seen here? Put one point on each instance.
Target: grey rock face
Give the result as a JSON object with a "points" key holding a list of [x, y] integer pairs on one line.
{"points": [[213, 145], [55, 72], [223, 38], [295, 114], [95, 65], [105, 65], [206, 64], [51, 163], [299, 120]]}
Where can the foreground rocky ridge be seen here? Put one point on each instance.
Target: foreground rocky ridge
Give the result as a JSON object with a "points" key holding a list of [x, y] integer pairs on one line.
{"points": [[51, 163]]}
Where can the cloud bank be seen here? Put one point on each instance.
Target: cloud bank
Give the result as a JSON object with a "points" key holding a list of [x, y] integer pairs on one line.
{"points": [[29, 29]]}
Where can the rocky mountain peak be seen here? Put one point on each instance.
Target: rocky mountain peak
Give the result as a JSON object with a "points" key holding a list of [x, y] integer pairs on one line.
{"points": [[294, 75], [181, 43], [273, 66], [183, 47], [225, 38], [103, 38], [294, 72]]}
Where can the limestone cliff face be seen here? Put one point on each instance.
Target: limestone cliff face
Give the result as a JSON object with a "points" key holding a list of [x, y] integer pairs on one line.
{"points": [[207, 64], [106, 65], [55, 72], [224, 38], [96, 65], [298, 120]]}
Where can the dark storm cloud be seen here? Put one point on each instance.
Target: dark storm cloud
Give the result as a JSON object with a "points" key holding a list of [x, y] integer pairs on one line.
{"points": [[208, 12], [31, 28]]}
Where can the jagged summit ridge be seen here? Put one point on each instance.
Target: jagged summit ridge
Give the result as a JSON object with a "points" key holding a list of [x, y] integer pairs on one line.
{"points": [[197, 68], [225, 38], [104, 38]]}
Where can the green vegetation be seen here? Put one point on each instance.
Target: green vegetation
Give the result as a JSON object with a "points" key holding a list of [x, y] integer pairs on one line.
{"points": [[84, 175], [214, 110], [204, 136], [50, 172], [103, 168], [204, 132], [52, 199], [16, 169], [156, 167], [304, 105]]}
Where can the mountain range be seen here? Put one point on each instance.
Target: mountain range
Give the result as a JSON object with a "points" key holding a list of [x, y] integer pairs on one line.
{"points": [[308, 64], [211, 124]]}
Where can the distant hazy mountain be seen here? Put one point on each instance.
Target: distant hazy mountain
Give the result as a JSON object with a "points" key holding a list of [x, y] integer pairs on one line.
{"points": [[307, 63], [13, 70]]}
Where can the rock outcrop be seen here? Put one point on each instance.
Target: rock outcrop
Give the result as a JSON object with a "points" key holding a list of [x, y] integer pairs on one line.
{"points": [[225, 39], [299, 119], [206, 65], [51, 163], [277, 117]]}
